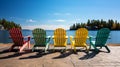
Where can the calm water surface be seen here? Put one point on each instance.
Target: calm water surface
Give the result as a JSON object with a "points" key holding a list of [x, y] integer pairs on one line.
{"points": [[114, 35]]}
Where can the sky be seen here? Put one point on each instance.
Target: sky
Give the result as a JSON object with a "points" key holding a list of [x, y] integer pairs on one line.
{"points": [[52, 14]]}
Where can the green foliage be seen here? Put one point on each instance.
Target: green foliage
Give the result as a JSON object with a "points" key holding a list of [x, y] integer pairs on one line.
{"points": [[97, 24], [9, 24]]}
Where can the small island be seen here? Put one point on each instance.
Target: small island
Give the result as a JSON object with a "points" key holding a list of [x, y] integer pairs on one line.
{"points": [[6, 25], [97, 24]]}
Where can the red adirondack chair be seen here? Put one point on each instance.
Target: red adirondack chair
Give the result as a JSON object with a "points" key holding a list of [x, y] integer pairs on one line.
{"points": [[18, 39]]}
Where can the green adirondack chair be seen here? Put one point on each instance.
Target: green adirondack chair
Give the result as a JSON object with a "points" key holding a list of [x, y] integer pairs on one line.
{"points": [[101, 39], [40, 38]]}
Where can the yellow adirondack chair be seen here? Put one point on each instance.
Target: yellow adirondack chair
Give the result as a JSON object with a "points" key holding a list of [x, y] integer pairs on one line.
{"points": [[60, 38], [79, 40]]}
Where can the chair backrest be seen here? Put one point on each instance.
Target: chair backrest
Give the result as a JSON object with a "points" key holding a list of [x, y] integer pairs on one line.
{"points": [[102, 36], [81, 37], [16, 35], [59, 37], [39, 36]]}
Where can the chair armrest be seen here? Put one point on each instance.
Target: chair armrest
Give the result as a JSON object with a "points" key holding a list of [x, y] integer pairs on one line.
{"points": [[87, 37], [48, 37], [27, 37], [109, 37], [53, 37], [66, 37], [71, 38], [9, 37], [32, 37], [91, 37]]}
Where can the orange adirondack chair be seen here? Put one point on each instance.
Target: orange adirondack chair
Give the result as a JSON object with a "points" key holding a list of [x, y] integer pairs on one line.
{"points": [[18, 39]]}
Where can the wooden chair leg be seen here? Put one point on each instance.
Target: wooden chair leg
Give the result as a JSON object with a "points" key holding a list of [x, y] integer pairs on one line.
{"points": [[28, 44], [54, 49], [21, 49], [47, 47], [87, 49], [107, 49], [65, 49], [74, 49], [95, 47], [71, 46], [11, 48], [33, 48]]}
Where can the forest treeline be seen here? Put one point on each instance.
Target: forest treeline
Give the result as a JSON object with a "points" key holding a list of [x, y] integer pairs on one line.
{"points": [[9, 24], [97, 24]]}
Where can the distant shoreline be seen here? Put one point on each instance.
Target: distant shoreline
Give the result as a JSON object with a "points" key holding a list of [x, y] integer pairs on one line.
{"points": [[66, 30], [71, 30], [96, 30]]}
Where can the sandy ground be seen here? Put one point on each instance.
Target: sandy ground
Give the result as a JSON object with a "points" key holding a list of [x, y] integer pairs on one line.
{"points": [[58, 59]]}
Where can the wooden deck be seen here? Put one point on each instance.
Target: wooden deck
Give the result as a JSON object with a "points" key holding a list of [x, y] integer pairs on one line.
{"points": [[58, 59]]}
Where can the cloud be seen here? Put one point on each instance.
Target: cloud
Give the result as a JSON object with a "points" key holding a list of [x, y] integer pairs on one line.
{"points": [[60, 20], [46, 27], [30, 20]]}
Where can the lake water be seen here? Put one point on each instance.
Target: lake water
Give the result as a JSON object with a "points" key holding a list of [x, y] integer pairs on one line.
{"points": [[114, 36]]}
